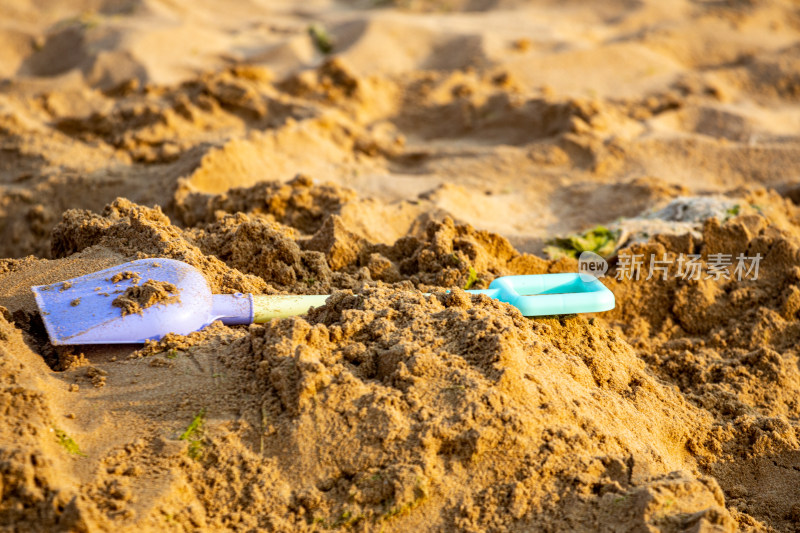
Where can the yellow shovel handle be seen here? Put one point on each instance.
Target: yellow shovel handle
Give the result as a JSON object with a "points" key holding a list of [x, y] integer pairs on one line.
{"points": [[266, 307]]}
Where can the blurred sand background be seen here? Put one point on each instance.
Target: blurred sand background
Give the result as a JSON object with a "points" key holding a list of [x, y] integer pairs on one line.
{"points": [[364, 146], [525, 118]]}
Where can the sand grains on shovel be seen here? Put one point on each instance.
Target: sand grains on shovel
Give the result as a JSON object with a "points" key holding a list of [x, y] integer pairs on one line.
{"points": [[137, 298], [121, 276]]}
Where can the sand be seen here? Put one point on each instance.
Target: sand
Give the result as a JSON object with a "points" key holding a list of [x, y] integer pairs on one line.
{"points": [[437, 145], [137, 298]]}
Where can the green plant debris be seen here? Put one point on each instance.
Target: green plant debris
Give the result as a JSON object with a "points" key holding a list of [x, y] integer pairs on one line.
{"points": [[172, 354], [87, 20], [420, 495], [599, 240], [195, 426], [400, 510], [320, 37], [193, 435], [346, 519], [732, 212], [68, 443], [195, 449], [310, 281], [473, 277]]}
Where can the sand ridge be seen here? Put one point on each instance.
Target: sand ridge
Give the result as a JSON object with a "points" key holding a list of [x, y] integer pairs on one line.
{"points": [[384, 400], [438, 145]]}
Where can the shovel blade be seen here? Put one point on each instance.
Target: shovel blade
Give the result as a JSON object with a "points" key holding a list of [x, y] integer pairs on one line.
{"points": [[80, 310]]}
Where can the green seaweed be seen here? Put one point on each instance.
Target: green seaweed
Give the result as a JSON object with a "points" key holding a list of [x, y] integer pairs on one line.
{"points": [[731, 212], [193, 435], [320, 37], [400, 510], [344, 520], [473, 277], [599, 240], [347, 519], [68, 443]]}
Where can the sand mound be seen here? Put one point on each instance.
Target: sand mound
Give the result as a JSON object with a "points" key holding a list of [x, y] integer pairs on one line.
{"points": [[370, 410], [34, 472], [447, 140], [493, 388]]}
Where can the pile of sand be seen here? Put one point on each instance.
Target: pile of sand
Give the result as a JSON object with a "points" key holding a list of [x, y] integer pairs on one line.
{"points": [[438, 146], [387, 407]]}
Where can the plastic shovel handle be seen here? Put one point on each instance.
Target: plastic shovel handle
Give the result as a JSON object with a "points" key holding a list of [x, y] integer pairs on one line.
{"points": [[533, 295], [282, 306], [240, 308]]}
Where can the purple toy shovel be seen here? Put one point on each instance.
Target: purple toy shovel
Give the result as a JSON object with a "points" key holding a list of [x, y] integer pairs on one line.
{"points": [[92, 309]]}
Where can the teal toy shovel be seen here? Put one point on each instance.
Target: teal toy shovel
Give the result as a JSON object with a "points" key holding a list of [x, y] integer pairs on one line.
{"points": [[86, 309]]}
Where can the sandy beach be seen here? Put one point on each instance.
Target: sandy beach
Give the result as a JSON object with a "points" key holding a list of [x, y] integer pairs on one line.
{"points": [[383, 152]]}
